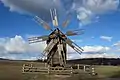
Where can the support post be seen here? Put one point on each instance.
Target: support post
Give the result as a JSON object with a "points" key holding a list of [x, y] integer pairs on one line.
{"points": [[48, 69], [78, 66], [71, 70], [84, 68], [45, 65], [23, 68]]}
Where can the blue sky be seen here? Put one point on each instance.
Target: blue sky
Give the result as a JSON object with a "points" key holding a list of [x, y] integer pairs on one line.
{"points": [[102, 29]]}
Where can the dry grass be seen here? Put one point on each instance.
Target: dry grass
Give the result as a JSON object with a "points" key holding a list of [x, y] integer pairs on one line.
{"points": [[12, 70], [108, 71]]}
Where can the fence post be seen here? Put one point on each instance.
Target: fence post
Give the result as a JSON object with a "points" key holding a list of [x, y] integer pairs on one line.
{"points": [[48, 69], [78, 66], [71, 70], [23, 68], [84, 68]]}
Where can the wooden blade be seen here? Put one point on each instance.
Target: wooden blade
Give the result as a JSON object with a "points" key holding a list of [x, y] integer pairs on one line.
{"points": [[38, 39], [66, 22], [48, 49], [42, 22], [74, 46], [50, 46], [74, 32], [54, 17]]}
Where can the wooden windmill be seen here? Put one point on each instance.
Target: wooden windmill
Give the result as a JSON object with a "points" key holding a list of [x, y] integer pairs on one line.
{"points": [[56, 41]]}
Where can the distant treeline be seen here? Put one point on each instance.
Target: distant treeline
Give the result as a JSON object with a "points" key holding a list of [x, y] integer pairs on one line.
{"points": [[96, 61], [87, 61]]}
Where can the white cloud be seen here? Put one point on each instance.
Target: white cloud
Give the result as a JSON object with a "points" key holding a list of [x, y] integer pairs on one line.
{"points": [[16, 44], [117, 44], [73, 56], [90, 10], [87, 10], [77, 40], [84, 15], [19, 45], [116, 47], [97, 55], [101, 6], [107, 38], [33, 7], [91, 52], [95, 49], [10, 47], [18, 48]]}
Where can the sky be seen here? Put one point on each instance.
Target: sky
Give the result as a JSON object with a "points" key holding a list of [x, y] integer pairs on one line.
{"points": [[99, 18]]}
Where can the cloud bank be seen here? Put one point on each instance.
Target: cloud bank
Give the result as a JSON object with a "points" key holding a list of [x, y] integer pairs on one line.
{"points": [[92, 9], [18, 48], [87, 11], [33, 7], [93, 52]]}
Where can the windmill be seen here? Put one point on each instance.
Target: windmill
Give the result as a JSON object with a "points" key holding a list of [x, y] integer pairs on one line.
{"points": [[56, 41]]}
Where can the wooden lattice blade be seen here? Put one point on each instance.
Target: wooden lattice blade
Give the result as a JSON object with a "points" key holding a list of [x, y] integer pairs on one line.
{"points": [[42, 22], [54, 17], [50, 46], [75, 32], [38, 39], [66, 22], [74, 46]]}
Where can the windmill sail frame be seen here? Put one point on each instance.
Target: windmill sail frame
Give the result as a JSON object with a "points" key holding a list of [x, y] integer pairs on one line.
{"points": [[56, 41]]}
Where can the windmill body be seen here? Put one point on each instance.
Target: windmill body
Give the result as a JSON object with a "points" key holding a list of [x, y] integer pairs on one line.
{"points": [[56, 55], [56, 41]]}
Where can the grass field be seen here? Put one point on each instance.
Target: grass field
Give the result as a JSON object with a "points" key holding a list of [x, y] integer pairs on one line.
{"points": [[12, 70], [108, 71]]}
